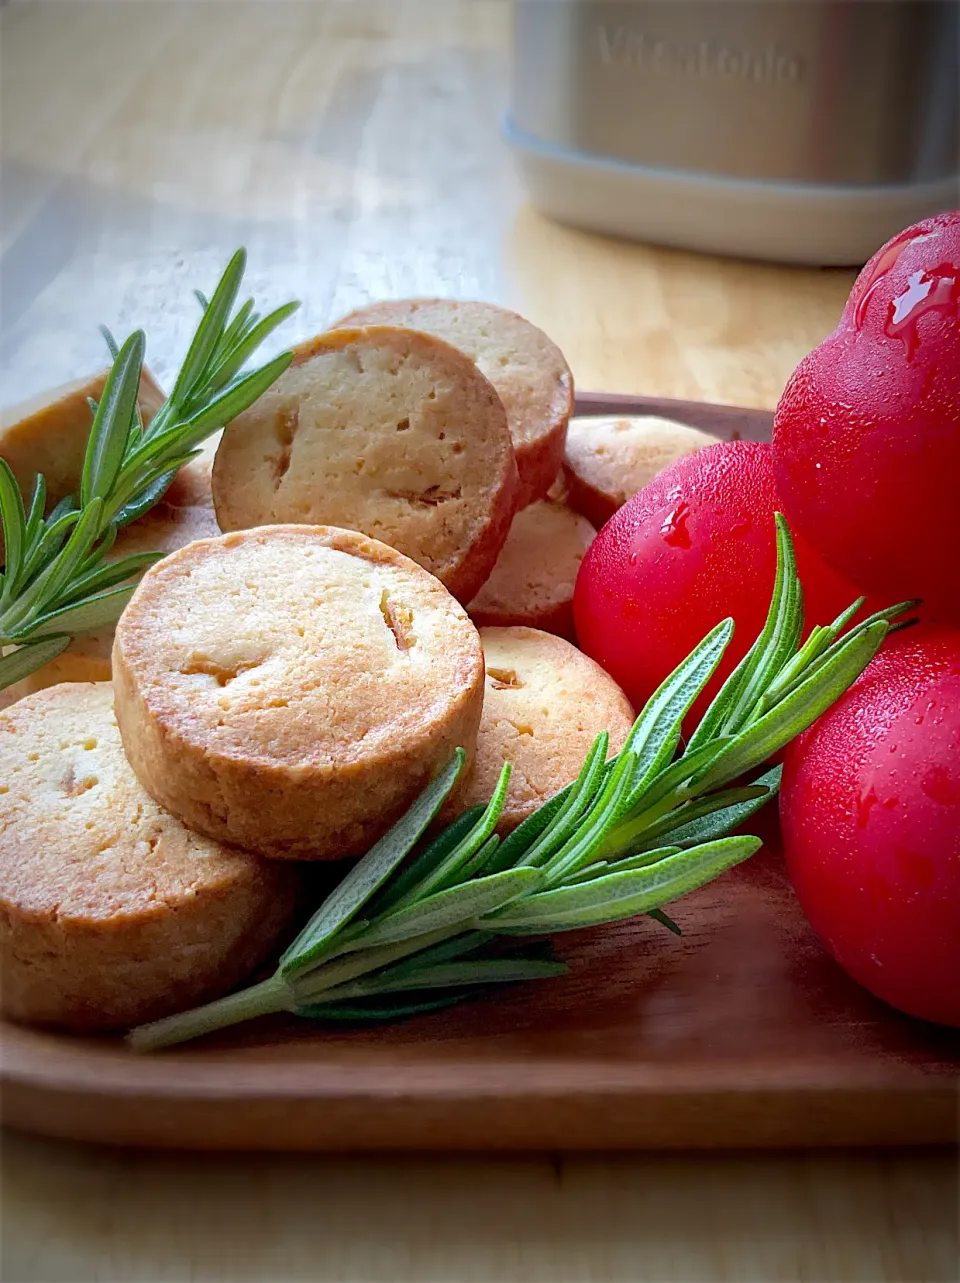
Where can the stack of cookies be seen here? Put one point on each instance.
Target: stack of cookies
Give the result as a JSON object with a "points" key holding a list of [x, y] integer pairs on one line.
{"points": [[374, 566]]}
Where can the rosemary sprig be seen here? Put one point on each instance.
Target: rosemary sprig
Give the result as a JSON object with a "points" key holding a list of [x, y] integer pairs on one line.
{"points": [[625, 838], [57, 580]]}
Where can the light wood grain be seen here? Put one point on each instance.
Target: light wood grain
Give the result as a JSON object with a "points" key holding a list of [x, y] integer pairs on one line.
{"points": [[353, 148], [72, 1214]]}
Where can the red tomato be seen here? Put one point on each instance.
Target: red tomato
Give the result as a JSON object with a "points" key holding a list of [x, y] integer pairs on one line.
{"points": [[866, 441], [870, 814], [694, 546]]}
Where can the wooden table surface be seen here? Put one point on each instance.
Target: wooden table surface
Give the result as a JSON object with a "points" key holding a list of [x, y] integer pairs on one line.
{"points": [[353, 148]]}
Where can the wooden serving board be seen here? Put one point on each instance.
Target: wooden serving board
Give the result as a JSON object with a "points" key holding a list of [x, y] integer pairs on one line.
{"points": [[742, 1033]]}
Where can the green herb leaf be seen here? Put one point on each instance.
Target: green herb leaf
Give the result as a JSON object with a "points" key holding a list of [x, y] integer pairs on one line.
{"points": [[664, 793], [428, 859], [820, 639], [87, 617], [684, 813], [50, 539], [234, 399], [482, 861], [460, 946], [366, 877], [96, 581], [51, 581], [585, 845], [656, 732], [378, 1011], [832, 644], [341, 966], [461, 904], [23, 661], [461, 855], [46, 587], [111, 425], [564, 819], [150, 495], [643, 859], [212, 325], [238, 355], [622, 895], [37, 503], [799, 709], [665, 920], [726, 817], [778, 641], [523, 838], [240, 325], [14, 530], [451, 975], [111, 343]]}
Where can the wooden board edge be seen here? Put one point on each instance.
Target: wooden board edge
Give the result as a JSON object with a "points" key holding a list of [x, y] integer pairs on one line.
{"points": [[753, 1119], [727, 422]]}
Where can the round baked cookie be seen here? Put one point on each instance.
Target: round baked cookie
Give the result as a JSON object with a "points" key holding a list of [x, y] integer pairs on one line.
{"points": [[111, 912], [609, 458], [183, 514], [527, 369], [292, 689], [384, 430], [533, 580], [544, 704]]}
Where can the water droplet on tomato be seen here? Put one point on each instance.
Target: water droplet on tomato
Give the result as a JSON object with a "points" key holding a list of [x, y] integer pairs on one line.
{"points": [[741, 525], [880, 269], [867, 800], [865, 804], [674, 529], [859, 315], [632, 559], [934, 291]]}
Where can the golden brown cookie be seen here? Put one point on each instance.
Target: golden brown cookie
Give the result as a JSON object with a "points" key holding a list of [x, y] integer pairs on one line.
{"points": [[111, 912], [544, 704], [533, 581], [382, 430], [49, 432], [527, 369], [183, 514], [291, 689], [609, 458]]}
